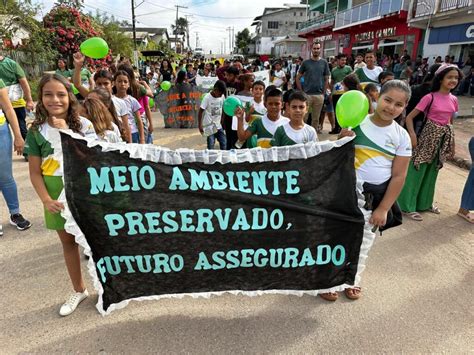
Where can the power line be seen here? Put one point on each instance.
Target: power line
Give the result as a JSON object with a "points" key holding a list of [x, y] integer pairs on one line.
{"points": [[195, 14]]}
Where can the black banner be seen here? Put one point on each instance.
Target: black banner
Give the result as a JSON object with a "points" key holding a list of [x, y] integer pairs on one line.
{"points": [[156, 229]]}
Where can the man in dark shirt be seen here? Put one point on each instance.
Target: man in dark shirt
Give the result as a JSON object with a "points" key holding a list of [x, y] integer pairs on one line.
{"points": [[233, 87], [315, 72]]}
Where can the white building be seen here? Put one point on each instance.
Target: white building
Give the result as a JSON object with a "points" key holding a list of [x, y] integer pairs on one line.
{"points": [[277, 23], [449, 27]]}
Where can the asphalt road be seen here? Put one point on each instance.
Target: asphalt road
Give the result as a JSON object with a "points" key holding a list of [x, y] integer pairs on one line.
{"points": [[417, 295]]}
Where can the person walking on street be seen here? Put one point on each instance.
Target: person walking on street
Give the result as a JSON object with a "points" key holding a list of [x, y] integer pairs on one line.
{"points": [[467, 199], [7, 182], [337, 76], [433, 146], [315, 72], [18, 89]]}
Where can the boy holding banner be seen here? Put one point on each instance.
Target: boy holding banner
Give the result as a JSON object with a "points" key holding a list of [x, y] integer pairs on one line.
{"points": [[295, 131], [264, 127]]}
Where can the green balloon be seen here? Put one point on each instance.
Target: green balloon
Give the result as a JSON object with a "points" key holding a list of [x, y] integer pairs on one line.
{"points": [[74, 89], [230, 104], [351, 109], [165, 85], [151, 103], [95, 48]]}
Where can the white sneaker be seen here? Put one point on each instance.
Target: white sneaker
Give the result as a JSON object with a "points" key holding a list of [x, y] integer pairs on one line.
{"points": [[71, 304]]}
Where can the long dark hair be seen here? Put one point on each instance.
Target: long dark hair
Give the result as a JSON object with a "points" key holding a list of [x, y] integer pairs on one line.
{"points": [[73, 120], [436, 85], [134, 85]]}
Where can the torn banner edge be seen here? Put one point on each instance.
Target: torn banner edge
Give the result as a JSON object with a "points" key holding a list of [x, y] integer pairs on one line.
{"points": [[183, 155]]}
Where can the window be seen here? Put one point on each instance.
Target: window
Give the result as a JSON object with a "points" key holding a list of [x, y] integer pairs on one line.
{"points": [[294, 13], [273, 25], [301, 14], [298, 25]]}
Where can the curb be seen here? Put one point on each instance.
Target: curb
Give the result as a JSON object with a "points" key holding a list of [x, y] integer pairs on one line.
{"points": [[461, 163], [465, 117]]}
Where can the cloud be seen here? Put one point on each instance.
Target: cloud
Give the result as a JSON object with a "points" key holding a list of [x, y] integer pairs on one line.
{"points": [[208, 18]]}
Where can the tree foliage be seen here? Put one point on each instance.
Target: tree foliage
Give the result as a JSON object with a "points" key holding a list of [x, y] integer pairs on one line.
{"points": [[18, 16], [78, 4], [118, 42], [243, 39], [68, 28]]}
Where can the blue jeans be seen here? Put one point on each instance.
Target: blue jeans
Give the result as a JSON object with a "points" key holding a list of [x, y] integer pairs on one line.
{"points": [[7, 183], [149, 138], [221, 138], [136, 137], [467, 199]]}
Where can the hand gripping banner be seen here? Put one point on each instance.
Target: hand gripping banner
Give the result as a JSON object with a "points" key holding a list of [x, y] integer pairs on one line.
{"points": [[159, 223]]}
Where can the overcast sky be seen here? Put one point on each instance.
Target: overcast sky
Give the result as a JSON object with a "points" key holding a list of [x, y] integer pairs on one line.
{"points": [[208, 18]]}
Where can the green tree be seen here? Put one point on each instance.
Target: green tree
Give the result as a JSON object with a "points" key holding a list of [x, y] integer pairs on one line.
{"points": [[118, 42], [20, 15], [78, 4], [180, 28], [243, 39]]}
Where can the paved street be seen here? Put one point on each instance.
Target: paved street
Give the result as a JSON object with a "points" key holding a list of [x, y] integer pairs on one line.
{"points": [[417, 295]]}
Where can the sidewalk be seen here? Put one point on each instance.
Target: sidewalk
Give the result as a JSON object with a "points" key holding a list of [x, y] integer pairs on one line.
{"points": [[466, 106]]}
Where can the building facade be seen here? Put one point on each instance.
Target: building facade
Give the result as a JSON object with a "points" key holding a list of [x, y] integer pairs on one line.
{"points": [[355, 26], [449, 26], [277, 23]]}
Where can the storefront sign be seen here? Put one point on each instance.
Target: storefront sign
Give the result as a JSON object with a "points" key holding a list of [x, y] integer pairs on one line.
{"points": [[367, 36], [452, 34], [323, 38]]}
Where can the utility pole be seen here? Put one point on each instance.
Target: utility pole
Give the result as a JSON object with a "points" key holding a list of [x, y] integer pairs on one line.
{"points": [[230, 36], [233, 39], [197, 39], [176, 27], [133, 26], [225, 39], [187, 30]]}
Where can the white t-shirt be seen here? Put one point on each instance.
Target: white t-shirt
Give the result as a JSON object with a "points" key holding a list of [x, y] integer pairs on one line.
{"points": [[120, 106], [278, 78], [303, 135], [375, 149], [132, 106], [212, 107], [111, 136]]}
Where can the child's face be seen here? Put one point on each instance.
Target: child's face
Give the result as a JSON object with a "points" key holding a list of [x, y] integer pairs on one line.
{"points": [[277, 67], [257, 91], [189, 69], [273, 105], [391, 104], [297, 110], [55, 99], [387, 78], [121, 83], [450, 80], [104, 83], [374, 94]]}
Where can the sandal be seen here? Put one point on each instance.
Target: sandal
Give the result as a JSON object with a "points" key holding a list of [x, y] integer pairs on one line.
{"points": [[353, 293], [329, 296], [434, 209], [468, 217], [414, 216]]}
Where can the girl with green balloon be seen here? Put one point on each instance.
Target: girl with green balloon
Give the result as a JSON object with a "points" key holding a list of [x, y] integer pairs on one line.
{"points": [[382, 154]]}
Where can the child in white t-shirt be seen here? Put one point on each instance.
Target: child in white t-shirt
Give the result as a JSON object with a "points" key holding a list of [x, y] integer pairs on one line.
{"points": [[210, 116], [278, 76], [382, 154], [295, 131]]}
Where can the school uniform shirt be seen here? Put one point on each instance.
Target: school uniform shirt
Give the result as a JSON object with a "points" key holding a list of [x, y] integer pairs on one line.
{"points": [[10, 73], [265, 128], [278, 78], [367, 75], [259, 110], [375, 149], [132, 106], [287, 135], [38, 143], [442, 109], [212, 107], [111, 136]]}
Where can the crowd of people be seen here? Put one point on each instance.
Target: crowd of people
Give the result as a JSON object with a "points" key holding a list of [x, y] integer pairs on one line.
{"points": [[400, 145]]}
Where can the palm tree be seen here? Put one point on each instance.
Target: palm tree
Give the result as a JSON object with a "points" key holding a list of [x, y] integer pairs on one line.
{"points": [[180, 27]]}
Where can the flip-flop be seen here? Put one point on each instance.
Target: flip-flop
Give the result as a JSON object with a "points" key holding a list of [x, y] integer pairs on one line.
{"points": [[353, 293], [468, 217], [414, 216], [329, 296], [434, 209]]}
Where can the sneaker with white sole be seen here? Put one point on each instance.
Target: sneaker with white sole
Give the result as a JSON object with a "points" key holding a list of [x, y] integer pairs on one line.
{"points": [[19, 222], [1, 230], [71, 304]]}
